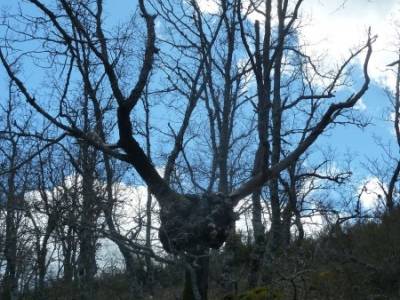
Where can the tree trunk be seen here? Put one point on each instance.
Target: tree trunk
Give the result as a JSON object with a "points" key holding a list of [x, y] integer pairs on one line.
{"points": [[256, 260], [42, 271], [196, 277], [149, 264], [68, 250], [87, 236], [10, 280], [276, 224]]}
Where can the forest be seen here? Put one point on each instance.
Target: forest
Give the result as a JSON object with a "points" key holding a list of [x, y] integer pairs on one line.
{"points": [[199, 150]]}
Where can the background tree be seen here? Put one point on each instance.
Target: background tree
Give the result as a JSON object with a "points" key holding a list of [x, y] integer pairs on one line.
{"points": [[386, 169]]}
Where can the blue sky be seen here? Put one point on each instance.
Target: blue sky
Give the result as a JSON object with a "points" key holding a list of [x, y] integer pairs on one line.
{"points": [[332, 28]]}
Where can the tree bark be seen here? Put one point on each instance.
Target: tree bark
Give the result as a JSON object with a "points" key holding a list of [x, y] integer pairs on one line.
{"points": [[257, 255], [10, 280], [196, 277]]}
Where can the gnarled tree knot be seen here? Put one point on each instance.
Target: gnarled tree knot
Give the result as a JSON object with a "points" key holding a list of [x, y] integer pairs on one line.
{"points": [[196, 221]]}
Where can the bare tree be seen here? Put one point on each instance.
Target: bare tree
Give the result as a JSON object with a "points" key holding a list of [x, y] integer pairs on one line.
{"points": [[279, 67], [44, 215], [14, 148], [391, 193], [190, 224], [386, 168]]}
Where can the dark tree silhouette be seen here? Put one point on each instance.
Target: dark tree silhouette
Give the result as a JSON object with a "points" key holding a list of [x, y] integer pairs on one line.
{"points": [[190, 224]]}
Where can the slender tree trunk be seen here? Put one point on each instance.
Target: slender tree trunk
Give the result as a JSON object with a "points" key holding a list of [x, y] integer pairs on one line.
{"points": [[149, 202], [10, 287], [276, 224], [87, 237], [10, 280], [257, 254], [299, 226], [42, 268], [89, 214], [262, 68], [196, 277], [149, 264], [68, 245], [277, 111]]}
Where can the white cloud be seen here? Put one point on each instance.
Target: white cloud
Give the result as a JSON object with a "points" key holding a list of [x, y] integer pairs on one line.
{"points": [[332, 28], [313, 224], [335, 28], [108, 255], [371, 193], [208, 6], [360, 105]]}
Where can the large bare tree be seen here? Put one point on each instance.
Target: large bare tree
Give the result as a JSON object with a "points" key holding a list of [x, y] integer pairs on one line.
{"points": [[72, 39]]}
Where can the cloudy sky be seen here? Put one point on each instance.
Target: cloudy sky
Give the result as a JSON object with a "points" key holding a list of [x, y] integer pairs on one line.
{"points": [[336, 26], [332, 28]]}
